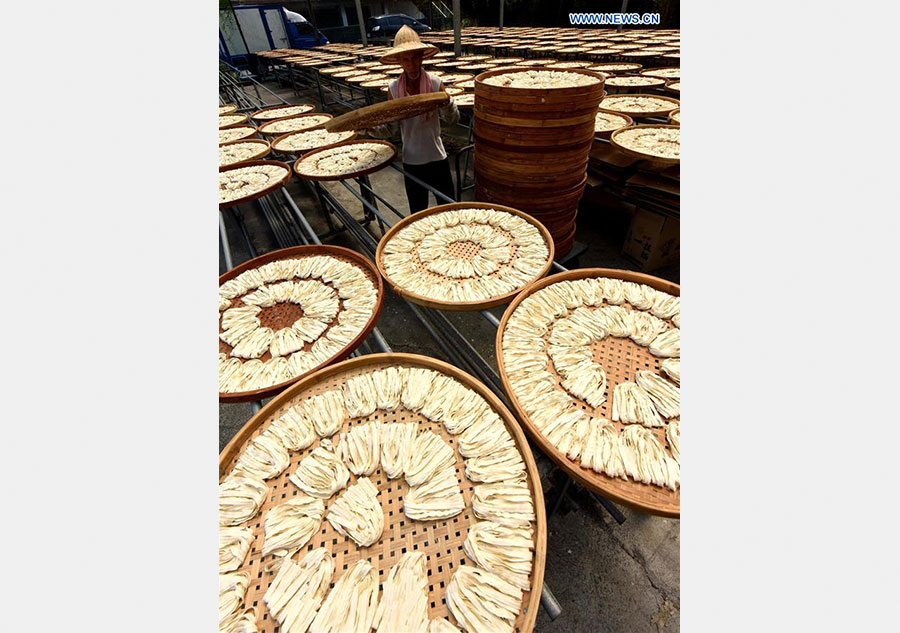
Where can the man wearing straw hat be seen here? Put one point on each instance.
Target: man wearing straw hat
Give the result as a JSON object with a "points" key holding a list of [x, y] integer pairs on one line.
{"points": [[424, 155]]}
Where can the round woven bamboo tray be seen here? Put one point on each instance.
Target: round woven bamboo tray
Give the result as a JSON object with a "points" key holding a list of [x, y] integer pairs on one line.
{"points": [[665, 73], [234, 120], [664, 111], [284, 313], [637, 154], [675, 117], [464, 101], [246, 131], [264, 129], [620, 358], [608, 133], [264, 148], [674, 86], [441, 541], [259, 194], [462, 305], [299, 153], [359, 79], [227, 108], [652, 83], [262, 115], [356, 174], [388, 112], [617, 67]]}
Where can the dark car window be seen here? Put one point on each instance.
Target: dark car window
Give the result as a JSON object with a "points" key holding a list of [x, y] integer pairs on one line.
{"points": [[396, 20]]}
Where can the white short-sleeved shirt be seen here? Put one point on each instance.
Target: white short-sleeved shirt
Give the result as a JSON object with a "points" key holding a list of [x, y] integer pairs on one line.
{"points": [[421, 138]]}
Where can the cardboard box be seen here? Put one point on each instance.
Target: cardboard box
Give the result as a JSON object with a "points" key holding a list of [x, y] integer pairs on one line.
{"points": [[653, 240]]}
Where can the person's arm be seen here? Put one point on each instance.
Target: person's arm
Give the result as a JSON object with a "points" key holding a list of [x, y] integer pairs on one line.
{"points": [[387, 130]]}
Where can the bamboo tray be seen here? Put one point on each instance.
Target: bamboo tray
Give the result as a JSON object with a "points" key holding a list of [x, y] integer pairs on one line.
{"points": [[247, 131], [235, 119], [289, 312], [387, 112], [652, 82], [675, 117], [263, 149], [263, 115], [441, 541], [461, 305], [258, 194], [301, 152], [228, 108], [607, 133], [464, 101], [266, 128], [356, 174], [674, 103], [620, 358], [638, 154]]}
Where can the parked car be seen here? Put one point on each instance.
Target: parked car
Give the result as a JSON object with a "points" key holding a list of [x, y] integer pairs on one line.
{"points": [[388, 25]]}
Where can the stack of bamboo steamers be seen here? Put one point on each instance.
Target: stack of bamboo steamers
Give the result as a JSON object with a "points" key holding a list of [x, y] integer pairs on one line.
{"points": [[532, 147]]}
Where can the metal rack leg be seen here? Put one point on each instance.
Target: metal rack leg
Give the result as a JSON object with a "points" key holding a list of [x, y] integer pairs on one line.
{"points": [[549, 602], [381, 342], [239, 216], [223, 238]]}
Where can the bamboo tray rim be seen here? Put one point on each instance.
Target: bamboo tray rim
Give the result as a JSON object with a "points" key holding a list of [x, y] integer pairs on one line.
{"points": [[597, 482], [606, 134], [299, 153], [461, 306], [255, 114], [657, 81], [644, 113], [479, 79], [356, 174], [262, 192], [327, 116], [387, 111], [244, 120], [308, 250], [377, 361], [635, 153], [254, 141], [671, 117], [251, 131]]}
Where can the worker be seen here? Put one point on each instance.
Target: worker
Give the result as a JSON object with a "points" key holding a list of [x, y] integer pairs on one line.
{"points": [[424, 155]]}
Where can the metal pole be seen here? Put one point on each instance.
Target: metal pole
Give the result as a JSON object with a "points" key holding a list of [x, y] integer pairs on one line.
{"points": [[301, 218], [380, 341], [362, 26], [312, 20], [502, 2], [548, 601], [624, 8], [226, 247], [457, 21]]}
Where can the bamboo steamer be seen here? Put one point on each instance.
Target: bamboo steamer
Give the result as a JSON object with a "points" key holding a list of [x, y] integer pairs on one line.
{"points": [[532, 147], [530, 196]]}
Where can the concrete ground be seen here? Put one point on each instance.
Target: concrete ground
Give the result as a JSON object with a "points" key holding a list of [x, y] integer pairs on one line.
{"points": [[606, 576]]}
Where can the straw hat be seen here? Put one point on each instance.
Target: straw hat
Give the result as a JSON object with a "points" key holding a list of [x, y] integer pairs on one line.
{"points": [[406, 41]]}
